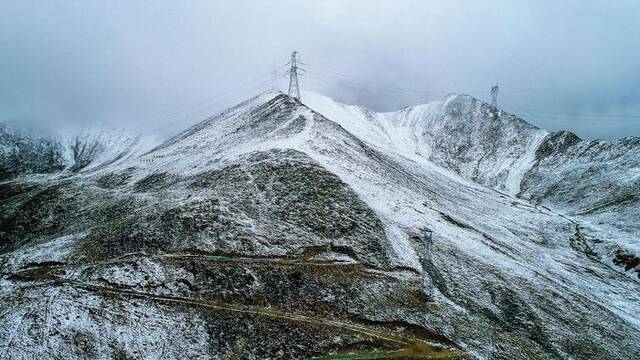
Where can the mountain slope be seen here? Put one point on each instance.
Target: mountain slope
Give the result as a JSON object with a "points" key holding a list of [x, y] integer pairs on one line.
{"points": [[29, 153], [595, 182], [459, 133], [26, 154], [278, 229]]}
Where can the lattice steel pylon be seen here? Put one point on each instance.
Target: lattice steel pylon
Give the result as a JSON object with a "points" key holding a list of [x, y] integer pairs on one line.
{"points": [[294, 88], [494, 95]]}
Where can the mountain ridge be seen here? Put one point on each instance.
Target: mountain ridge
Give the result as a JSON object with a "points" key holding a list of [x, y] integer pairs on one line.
{"points": [[507, 159], [276, 208]]}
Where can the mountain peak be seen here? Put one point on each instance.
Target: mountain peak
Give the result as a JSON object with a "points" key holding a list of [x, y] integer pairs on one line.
{"points": [[280, 216]]}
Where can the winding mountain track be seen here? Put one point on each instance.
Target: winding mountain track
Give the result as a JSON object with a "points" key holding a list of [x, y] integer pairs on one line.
{"points": [[409, 347], [280, 261]]}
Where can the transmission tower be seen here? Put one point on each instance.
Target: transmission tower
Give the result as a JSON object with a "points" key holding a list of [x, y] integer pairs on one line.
{"points": [[494, 95], [294, 89]]}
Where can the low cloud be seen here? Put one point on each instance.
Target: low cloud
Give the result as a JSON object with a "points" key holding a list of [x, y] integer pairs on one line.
{"points": [[159, 65]]}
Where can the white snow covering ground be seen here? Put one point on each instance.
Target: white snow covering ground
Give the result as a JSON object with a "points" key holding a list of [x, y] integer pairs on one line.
{"points": [[410, 133], [589, 175], [420, 175], [384, 158], [116, 145]]}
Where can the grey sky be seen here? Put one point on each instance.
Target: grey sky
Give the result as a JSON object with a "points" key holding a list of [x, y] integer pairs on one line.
{"points": [[560, 64]]}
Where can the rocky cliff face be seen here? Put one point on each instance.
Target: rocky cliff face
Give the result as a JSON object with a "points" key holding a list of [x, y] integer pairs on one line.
{"points": [[286, 230], [26, 154]]}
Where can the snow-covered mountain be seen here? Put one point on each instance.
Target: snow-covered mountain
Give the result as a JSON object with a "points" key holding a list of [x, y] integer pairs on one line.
{"points": [[596, 183], [85, 151], [22, 153], [280, 229], [94, 149]]}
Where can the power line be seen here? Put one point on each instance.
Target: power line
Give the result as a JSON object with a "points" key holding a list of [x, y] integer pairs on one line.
{"points": [[563, 114], [257, 77], [372, 89], [363, 88], [328, 72], [329, 76], [321, 74], [209, 101], [230, 96]]}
